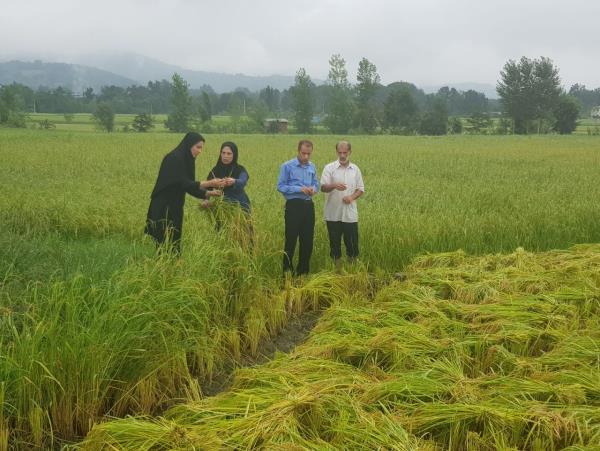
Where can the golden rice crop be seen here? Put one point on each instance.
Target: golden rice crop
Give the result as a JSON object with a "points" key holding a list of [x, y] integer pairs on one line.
{"points": [[411, 369]]}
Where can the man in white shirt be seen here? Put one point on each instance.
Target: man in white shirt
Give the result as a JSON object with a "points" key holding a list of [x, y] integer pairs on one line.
{"points": [[343, 183]]}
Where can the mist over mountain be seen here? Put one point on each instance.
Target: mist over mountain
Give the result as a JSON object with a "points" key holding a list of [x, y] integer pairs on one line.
{"points": [[126, 69], [142, 69], [73, 77]]}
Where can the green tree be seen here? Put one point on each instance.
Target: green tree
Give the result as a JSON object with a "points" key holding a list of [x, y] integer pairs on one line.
{"points": [[181, 114], [207, 106], [302, 101], [236, 109], [529, 90], [271, 97], [12, 106], [105, 116], [6, 101], [88, 94], [401, 112], [588, 98], [202, 115], [435, 121], [474, 102], [236, 106], [258, 113], [142, 123], [201, 109], [566, 113], [340, 106], [366, 90]]}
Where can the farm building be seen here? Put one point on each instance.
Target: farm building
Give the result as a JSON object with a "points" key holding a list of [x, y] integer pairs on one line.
{"points": [[276, 125], [596, 112]]}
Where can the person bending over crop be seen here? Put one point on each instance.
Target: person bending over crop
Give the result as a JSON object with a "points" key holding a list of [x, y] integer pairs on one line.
{"points": [[176, 177]]}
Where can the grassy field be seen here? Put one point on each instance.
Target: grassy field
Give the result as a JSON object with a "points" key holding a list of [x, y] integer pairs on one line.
{"points": [[85, 122], [92, 324], [588, 126], [81, 122]]}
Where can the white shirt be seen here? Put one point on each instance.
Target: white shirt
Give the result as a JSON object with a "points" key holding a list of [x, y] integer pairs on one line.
{"points": [[350, 175]]}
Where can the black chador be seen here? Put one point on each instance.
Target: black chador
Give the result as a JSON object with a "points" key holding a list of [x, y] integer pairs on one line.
{"points": [[177, 176]]}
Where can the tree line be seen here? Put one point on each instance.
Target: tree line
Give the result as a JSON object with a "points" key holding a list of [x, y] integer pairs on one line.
{"points": [[531, 101]]}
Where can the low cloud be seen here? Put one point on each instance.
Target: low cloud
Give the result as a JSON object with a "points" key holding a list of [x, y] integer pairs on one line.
{"points": [[426, 42]]}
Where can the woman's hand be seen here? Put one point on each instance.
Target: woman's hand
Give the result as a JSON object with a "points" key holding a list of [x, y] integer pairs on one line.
{"points": [[218, 183], [215, 193], [204, 204], [229, 181], [213, 183]]}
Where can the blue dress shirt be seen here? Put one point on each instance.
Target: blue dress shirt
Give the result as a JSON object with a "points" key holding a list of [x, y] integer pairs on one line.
{"points": [[293, 175]]}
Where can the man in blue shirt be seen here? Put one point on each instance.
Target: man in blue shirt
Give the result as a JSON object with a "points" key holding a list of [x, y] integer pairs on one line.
{"points": [[298, 184]]}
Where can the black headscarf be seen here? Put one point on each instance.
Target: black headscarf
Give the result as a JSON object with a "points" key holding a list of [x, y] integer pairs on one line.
{"points": [[178, 164], [232, 169]]}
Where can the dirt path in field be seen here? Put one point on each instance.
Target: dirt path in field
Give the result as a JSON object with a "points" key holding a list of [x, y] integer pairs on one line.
{"points": [[294, 334]]}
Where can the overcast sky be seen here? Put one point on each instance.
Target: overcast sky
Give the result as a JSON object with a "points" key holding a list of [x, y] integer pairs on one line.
{"points": [[425, 41]]}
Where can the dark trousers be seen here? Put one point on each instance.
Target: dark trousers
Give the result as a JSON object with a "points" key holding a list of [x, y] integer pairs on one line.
{"points": [[347, 230], [299, 226], [166, 235]]}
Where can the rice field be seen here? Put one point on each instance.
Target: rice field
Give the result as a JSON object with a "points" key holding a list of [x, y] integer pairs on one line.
{"points": [[494, 352], [84, 122], [483, 348]]}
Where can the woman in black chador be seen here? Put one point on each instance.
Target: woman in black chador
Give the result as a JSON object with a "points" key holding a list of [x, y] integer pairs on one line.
{"points": [[176, 177]]}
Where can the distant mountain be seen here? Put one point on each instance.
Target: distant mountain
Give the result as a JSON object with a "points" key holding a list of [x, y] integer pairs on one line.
{"points": [[488, 89], [73, 77], [128, 69], [143, 69]]}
